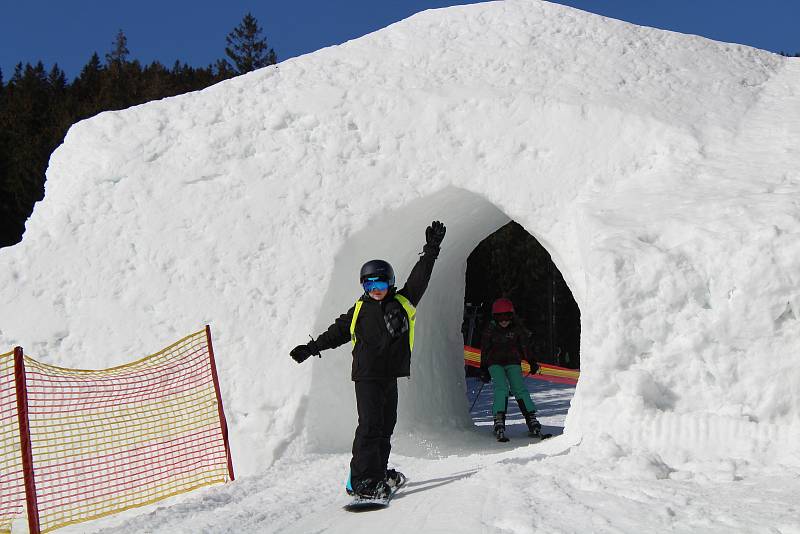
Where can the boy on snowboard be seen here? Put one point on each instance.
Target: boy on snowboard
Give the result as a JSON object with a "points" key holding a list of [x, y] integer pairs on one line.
{"points": [[504, 344], [381, 328]]}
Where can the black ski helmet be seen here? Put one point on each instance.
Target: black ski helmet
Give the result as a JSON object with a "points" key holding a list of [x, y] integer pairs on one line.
{"points": [[377, 268]]}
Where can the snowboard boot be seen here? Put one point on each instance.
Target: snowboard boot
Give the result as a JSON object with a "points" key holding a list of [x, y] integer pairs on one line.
{"points": [[534, 426], [370, 489], [500, 426], [395, 479]]}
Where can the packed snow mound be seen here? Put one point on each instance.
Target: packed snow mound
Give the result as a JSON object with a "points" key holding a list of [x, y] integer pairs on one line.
{"points": [[660, 171]]}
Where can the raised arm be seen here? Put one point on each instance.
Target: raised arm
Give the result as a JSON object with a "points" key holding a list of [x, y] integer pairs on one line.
{"points": [[420, 275]]}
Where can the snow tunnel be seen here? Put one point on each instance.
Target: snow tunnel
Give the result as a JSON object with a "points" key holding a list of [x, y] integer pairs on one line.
{"points": [[432, 402], [254, 214]]}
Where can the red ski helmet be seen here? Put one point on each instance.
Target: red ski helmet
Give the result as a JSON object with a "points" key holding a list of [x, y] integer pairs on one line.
{"points": [[502, 306]]}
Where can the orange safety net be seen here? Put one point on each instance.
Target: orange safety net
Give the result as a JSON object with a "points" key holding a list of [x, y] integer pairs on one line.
{"points": [[550, 373], [103, 441]]}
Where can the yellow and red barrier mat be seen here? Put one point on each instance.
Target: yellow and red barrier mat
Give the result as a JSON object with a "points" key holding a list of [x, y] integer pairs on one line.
{"points": [[547, 372]]}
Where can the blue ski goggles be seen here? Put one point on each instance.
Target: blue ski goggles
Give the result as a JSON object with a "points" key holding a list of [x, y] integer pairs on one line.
{"points": [[372, 285]]}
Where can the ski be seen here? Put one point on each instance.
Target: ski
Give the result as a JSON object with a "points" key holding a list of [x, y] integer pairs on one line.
{"points": [[501, 437]]}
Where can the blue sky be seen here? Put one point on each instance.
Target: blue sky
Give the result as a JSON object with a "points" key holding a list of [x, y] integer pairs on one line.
{"points": [[67, 32]]}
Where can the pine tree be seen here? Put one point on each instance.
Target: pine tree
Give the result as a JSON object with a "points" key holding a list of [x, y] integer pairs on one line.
{"points": [[122, 80], [91, 71], [59, 107], [57, 79], [119, 54], [223, 70], [6, 222], [17, 76], [85, 89], [24, 122], [247, 48]]}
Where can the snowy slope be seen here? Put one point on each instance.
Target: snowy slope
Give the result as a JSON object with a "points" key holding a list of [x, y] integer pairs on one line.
{"points": [[660, 171], [492, 488]]}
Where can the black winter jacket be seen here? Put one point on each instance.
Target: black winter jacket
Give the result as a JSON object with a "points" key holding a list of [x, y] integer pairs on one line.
{"points": [[505, 346], [376, 355]]}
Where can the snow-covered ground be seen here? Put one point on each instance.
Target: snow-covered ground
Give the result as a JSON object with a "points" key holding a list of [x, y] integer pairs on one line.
{"points": [[660, 170], [490, 487], [303, 494]]}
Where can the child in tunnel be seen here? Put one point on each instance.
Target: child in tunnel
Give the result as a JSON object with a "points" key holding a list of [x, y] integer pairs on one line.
{"points": [[504, 344], [380, 326]]}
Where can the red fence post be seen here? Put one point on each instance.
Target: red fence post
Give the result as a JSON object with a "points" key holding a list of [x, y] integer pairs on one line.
{"points": [[25, 441], [222, 423]]}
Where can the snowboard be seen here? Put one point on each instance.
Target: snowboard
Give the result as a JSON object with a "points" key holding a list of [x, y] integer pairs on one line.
{"points": [[361, 504]]}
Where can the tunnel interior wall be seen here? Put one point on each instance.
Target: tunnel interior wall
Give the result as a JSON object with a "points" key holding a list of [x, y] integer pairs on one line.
{"points": [[432, 401]]}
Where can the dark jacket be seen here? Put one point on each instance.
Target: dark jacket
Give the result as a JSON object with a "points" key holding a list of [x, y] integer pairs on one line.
{"points": [[376, 355], [505, 346]]}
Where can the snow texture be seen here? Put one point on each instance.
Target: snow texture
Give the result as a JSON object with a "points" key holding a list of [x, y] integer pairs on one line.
{"points": [[660, 171]]}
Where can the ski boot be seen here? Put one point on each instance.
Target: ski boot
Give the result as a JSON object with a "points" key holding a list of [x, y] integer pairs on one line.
{"points": [[500, 426], [534, 426]]}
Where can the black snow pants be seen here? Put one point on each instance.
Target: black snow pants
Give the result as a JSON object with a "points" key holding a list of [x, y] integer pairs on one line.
{"points": [[377, 414]]}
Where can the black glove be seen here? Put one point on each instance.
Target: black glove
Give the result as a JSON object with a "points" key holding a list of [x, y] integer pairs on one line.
{"points": [[534, 367], [302, 352], [485, 376], [435, 233]]}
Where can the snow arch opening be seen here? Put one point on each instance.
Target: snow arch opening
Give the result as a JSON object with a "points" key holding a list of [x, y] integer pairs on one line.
{"points": [[432, 402], [511, 262]]}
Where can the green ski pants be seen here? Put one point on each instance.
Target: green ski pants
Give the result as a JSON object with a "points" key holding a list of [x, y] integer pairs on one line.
{"points": [[504, 376]]}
